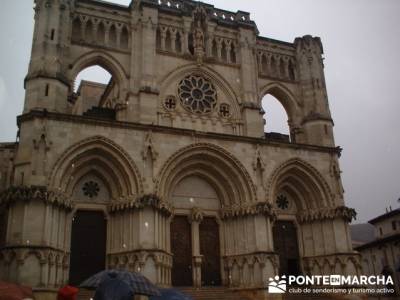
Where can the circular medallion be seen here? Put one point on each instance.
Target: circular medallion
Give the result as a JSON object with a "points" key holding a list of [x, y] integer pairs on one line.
{"points": [[197, 94]]}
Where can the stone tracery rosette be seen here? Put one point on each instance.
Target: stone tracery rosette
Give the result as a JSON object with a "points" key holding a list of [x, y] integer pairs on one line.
{"points": [[197, 94]]}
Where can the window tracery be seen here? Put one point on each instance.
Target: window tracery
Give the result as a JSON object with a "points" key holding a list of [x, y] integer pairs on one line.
{"points": [[282, 202], [91, 189], [197, 94]]}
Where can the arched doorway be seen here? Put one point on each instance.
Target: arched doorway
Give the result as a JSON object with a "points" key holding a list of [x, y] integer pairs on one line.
{"points": [[210, 250], [195, 193], [286, 246], [181, 248], [88, 245]]}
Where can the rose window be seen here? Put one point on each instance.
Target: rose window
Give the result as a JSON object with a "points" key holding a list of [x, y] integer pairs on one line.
{"points": [[282, 202], [91, 189], [197, 94]]}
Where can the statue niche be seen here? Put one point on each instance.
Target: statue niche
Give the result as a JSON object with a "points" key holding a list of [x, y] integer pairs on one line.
{"points": [[199, 29]]}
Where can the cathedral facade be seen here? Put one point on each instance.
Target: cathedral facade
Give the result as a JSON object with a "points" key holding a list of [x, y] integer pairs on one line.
{"points": [[166, 170]]}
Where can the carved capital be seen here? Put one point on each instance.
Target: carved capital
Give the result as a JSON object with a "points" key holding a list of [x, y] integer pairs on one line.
{"points": [[197, 215]]}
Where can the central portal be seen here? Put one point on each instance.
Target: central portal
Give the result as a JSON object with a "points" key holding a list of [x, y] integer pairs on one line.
{"points": [[209, 248], [286, 246], [88, 245]]}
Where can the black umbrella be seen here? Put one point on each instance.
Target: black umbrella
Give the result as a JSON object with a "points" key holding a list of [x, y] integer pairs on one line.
{"points": [[113, 289], [137, 282], [171, 294]]}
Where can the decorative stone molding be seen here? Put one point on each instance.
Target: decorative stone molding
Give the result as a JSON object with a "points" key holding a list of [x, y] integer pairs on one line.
{"points": [[136, 261], [148, 148], [262, 208], [149, 200], [51, 261], [348, 214], [251, 259], [121, 160], [230, 163], [332, 263], [197, 215], [258, 161], [325, 193], [34, 193]]}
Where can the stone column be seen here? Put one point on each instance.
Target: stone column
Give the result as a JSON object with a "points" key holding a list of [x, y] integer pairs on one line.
{"points": [[195, 219]]}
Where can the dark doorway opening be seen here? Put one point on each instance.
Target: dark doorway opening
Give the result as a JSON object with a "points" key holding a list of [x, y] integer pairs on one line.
{"points": [[209, 248], [181, 247], [88, 245], [286, 246]]}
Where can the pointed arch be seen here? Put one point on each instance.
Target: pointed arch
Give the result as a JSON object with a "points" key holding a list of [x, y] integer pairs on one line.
{"points": [[303, 181], [284, 96], [101, 59], [215, 165], [103, 157]]}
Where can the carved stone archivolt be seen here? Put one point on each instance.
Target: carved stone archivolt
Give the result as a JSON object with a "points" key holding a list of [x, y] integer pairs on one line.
{"points": [[211, 162], [119, 167], [307, 176]]}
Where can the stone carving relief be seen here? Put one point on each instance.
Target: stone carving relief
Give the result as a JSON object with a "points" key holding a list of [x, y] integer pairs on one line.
{"points": [[41, 146], [199, 25], [149, 155], [259, 168]]}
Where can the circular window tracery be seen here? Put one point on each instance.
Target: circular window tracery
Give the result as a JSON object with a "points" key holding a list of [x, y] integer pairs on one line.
{"points": [[282, 202], [197, 94], [91, 189]]}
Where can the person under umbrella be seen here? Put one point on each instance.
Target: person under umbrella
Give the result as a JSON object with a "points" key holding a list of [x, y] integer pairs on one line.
{"points": [[113, 288], [138, 284], [67, 293], [171, 294]]}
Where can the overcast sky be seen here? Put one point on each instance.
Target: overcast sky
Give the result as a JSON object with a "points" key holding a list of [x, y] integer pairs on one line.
{"points": [[361, 41]]}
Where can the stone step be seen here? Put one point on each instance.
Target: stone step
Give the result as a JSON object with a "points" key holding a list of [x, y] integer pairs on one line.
{"points": [[85, 294], [212, 293]]}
